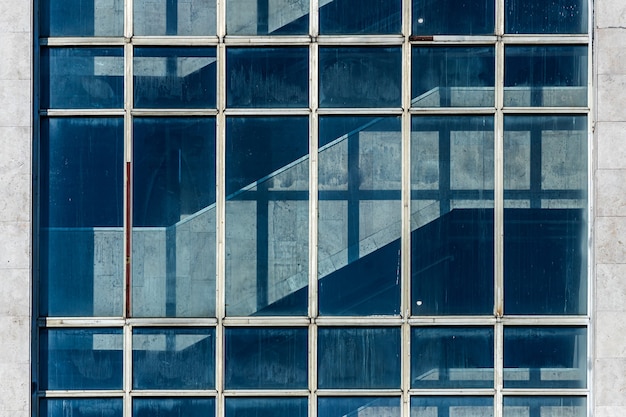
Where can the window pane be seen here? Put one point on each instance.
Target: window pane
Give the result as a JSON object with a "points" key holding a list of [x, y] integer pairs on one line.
{"points": [[173, 407], [80, 359], [360, 77], [267, 77], [178, 17], [451, 406], [181, 358], [360, 17], [451, 357], [175, 77], [545, 226], [75, 78], [263, 358], [173, 217], [81, 407], [545, 357], [548, 76], [359, 215], [267, 211], [268, 17], [359, 357], [545, 406], [82, 18], [452, 215], [358, 406], [266, 407], [81, 202], [540, 16], [452, 77], [453, 17]]}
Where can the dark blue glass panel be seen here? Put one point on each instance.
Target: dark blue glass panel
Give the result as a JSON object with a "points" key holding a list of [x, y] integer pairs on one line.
{"points": [[453, 17], [362, 357], [360, 77], [266, 407], [541, 16], [345, 17], [174, 18], [358, 406], [545, 406], [81, 407], [173, 407], [82, 18], [451, 357], [545, 357], [434, 406], [82, 78], [181, 358], [175, 77], [452, 76], [267, 17], [80, 359], [263, 358], [267, 77]]}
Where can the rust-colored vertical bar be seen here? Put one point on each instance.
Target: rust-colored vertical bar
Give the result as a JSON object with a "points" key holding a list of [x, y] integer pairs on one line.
{"points": [[127, 233]]}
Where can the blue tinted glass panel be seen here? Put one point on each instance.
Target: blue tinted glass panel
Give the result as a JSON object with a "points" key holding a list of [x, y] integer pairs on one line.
{"points": [[360, 77], [81, 407], [77, 78], [345, 17], [452, 77], [453, 17], [268, 17], [81, 202], [173, 407], [452, 215], [361, 357], [82, 18], [83, 359], [175, 77], [548, 76], [358, 406], [545, 226], [182, 358], [437, 406], [262, 358], [545, 357], [267, 77], [266, 407], [540, 16], [174, 217], [178, 17], [267, 211], [451, 357], [359, 215], [545, 406]]}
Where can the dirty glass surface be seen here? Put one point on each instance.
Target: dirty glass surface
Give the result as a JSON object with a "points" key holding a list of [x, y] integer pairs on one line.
{"points": [[173, 407], [267, 17], [453, 17], [363, 17], [451, 406], [266, 407], [81, 17], [358, 406], [174, 18], [545, 406], [81, 407], [540, 16]]}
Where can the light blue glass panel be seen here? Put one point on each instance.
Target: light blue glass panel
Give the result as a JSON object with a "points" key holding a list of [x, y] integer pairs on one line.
{"points": [[267, 17], [81, 407], [181, 358], [360, 77], [171, 18], [437, 406], [358, 406], [359, 215], [545, 357], [452, 76], [545, 406], [75, 78], [266, 358], [173, 407], [540, 16], [173, 217], [345, 17], [363, 357], [81, 204], [266, 407], [82, 17], [80, 359], [545, 76], [453, 17], [175, 77]]}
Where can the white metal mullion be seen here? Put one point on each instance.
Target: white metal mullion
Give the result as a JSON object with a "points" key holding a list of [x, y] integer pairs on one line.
{"points": [[128, 370]]}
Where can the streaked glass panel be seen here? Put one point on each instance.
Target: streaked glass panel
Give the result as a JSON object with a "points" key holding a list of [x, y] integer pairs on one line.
{"points": [[453, 17], [266, 407], [80, 213], [437, 406], [452, 76], [540, 16], [180, 358], [82, 78], [360, 77], [173, 407], [358, 406], [82, 17], [174, 77], [545, 216], [267, 77], [545, 406], [266, 358], [361, 357], [267, 211], [267, 17], [451, 357], [178, 17], [359, 215], [81, 407], [545, 76], [173, 217], [346, 17], [545, 357], [80, 359], [452, 183]]}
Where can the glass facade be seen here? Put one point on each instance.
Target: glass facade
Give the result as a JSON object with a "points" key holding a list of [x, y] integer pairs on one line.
{"points": [[312, 208]]}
